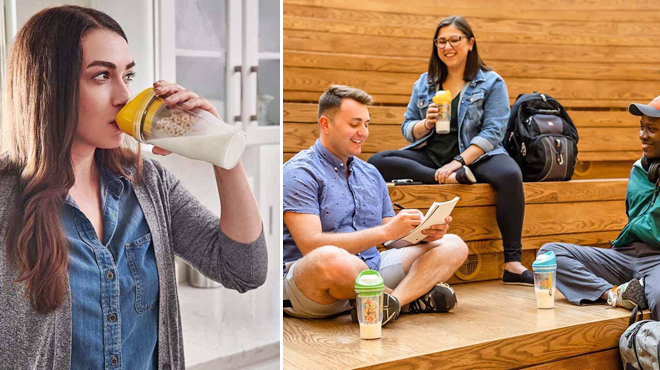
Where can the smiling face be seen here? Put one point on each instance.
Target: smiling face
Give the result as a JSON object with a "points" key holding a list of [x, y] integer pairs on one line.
{"points": [[106, 71], [454, 56], [346, 132], [649, 134]]}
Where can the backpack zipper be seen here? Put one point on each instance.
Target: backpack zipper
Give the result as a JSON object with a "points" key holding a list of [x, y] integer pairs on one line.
{"points": [[523, 150]]}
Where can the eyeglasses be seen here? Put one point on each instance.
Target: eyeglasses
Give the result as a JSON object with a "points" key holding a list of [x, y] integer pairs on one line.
{"points": [[453, 41]]}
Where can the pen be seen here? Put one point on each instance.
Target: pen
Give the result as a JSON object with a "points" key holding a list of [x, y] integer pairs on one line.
{"points": [[397, 205]]}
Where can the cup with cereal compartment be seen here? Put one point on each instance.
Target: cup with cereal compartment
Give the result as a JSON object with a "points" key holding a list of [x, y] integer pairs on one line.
{"points": [[545, 279], [196, 134], [369, 287]]}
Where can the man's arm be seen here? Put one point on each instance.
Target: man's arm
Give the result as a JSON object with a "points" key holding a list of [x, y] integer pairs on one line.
{"points": [[308, 234]]}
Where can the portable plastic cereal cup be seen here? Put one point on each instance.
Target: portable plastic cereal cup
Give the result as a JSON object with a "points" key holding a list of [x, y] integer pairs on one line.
{"points": [[442, 99], [369, 287], [195, 134], [545, 279]]}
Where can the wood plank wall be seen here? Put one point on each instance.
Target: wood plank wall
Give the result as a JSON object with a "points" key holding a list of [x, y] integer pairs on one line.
{"points": [[594, 56]]}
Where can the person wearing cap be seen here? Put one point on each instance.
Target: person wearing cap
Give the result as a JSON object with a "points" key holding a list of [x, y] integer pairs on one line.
{"points": [[626, 275], [337, 210]]}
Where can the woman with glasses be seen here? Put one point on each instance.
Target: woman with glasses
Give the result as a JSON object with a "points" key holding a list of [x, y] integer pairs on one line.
{"points": [[472, 150]]}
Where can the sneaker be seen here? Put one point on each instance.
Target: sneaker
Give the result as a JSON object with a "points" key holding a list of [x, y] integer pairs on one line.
{"points": [[526, 278], [391, 309], [628, 295], [439, 299]]}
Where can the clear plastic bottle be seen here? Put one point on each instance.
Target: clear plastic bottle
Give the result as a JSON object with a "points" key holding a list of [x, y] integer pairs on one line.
{"points": [[369, 287], [442, 99], [195, 134]]}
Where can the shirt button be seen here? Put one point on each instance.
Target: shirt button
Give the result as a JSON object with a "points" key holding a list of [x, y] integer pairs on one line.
{"points": [[341, 165], [110, 275], [114, 361], [112, 317], [335, 168]]}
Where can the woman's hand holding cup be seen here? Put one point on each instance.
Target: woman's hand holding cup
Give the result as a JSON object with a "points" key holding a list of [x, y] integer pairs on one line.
{"points": [[431, 116]]}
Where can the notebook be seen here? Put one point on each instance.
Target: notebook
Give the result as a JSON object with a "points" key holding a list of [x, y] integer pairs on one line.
{"points": [[436, 215]]}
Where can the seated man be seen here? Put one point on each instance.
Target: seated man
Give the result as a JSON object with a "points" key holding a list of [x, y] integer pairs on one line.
{"points": [[337, 210], [628, 274]]}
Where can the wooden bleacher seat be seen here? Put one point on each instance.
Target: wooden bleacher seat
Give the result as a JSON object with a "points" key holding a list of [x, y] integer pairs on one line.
{"points": [[607, 148], [594, 60], [586, 212], [493, 327]]}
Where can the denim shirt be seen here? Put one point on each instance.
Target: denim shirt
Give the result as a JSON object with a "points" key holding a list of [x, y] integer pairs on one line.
{"points": [[114, 283], [483, 113], [315, 182]]}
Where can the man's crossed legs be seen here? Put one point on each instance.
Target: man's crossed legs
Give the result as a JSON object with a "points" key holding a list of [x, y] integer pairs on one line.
{"points": [[323, 281]]}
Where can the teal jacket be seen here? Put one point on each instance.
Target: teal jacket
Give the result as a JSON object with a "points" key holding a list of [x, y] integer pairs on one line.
{"points": [[643, 210]]}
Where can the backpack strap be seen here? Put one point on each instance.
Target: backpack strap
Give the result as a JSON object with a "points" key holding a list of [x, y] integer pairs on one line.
{"points": [[636, 312]]}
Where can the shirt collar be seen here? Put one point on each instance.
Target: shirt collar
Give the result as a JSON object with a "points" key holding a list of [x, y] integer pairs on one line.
{"points": [[114, 182], [332, 159], [107, 179]]}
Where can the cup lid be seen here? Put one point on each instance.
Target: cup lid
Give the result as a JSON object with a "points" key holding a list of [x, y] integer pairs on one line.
{"points": [[369, 281], [130, 115], [545, 261], [442, 95]]}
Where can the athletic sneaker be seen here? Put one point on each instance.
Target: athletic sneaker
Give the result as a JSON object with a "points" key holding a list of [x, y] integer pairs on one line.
{"points": [[441, 298], [391, 309], [628, 295]]}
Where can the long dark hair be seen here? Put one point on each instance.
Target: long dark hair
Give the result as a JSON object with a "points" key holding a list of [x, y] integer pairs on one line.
{"points": [[438, 69], [40, 119]]}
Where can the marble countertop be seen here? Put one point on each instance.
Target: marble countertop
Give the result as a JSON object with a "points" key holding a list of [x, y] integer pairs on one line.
{"points": [[225, 329]]}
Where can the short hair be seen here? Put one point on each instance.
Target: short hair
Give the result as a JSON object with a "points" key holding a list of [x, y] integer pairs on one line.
{"points": [[330, 101]]}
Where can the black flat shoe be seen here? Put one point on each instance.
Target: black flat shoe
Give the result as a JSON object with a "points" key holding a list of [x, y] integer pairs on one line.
{"points": [[526, 278]]}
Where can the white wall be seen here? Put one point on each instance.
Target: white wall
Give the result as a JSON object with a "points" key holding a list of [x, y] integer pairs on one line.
{"points": [[26, 9]]}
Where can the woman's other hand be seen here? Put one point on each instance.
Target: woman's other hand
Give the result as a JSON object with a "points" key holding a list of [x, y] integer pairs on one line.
{"points": [[160, 151], [177, 95], [443, 172]]}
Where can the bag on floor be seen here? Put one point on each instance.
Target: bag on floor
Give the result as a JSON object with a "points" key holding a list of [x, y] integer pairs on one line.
{"points": [[541, 138], [639, 345]]}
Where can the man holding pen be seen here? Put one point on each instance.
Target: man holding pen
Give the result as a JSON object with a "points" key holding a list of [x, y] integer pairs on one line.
{"points": [[337, 210]]}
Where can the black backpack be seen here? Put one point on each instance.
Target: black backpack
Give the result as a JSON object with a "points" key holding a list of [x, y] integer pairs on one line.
{"points": [[541, 138]]}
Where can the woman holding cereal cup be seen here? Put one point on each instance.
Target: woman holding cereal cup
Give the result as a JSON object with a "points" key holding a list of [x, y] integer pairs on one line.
{"points": [[472, 151], [88, 227]]}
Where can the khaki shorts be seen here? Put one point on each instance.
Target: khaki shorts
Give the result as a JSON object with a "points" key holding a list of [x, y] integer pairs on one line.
{"points": [[391, 270]]}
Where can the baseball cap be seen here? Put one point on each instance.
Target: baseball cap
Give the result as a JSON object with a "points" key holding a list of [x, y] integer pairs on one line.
{"points": [[651, 109]]}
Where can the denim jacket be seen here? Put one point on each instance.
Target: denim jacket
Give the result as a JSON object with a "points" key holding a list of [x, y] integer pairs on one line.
{"points": [[483, 113]]}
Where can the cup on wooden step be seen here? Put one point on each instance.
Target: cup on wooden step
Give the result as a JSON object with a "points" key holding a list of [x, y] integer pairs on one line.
{"points": [[545, 279], [369, 287]]}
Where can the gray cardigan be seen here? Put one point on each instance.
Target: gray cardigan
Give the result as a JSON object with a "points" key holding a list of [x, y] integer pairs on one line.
{"points": [[180, 225]]}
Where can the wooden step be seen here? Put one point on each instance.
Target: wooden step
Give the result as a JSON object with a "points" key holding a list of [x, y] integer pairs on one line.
{"points": [[493, 327], [554, 212], [604, 136]]}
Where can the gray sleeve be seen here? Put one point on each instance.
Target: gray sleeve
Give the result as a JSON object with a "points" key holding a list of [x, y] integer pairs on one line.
{"points": [[197, 238]]}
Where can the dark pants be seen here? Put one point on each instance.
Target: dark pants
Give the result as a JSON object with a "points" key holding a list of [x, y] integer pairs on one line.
{"points": [[500, 171], [585, 273]]}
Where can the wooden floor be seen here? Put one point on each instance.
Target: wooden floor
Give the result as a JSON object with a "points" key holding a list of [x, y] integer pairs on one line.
{"points": [[494, 327]]}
